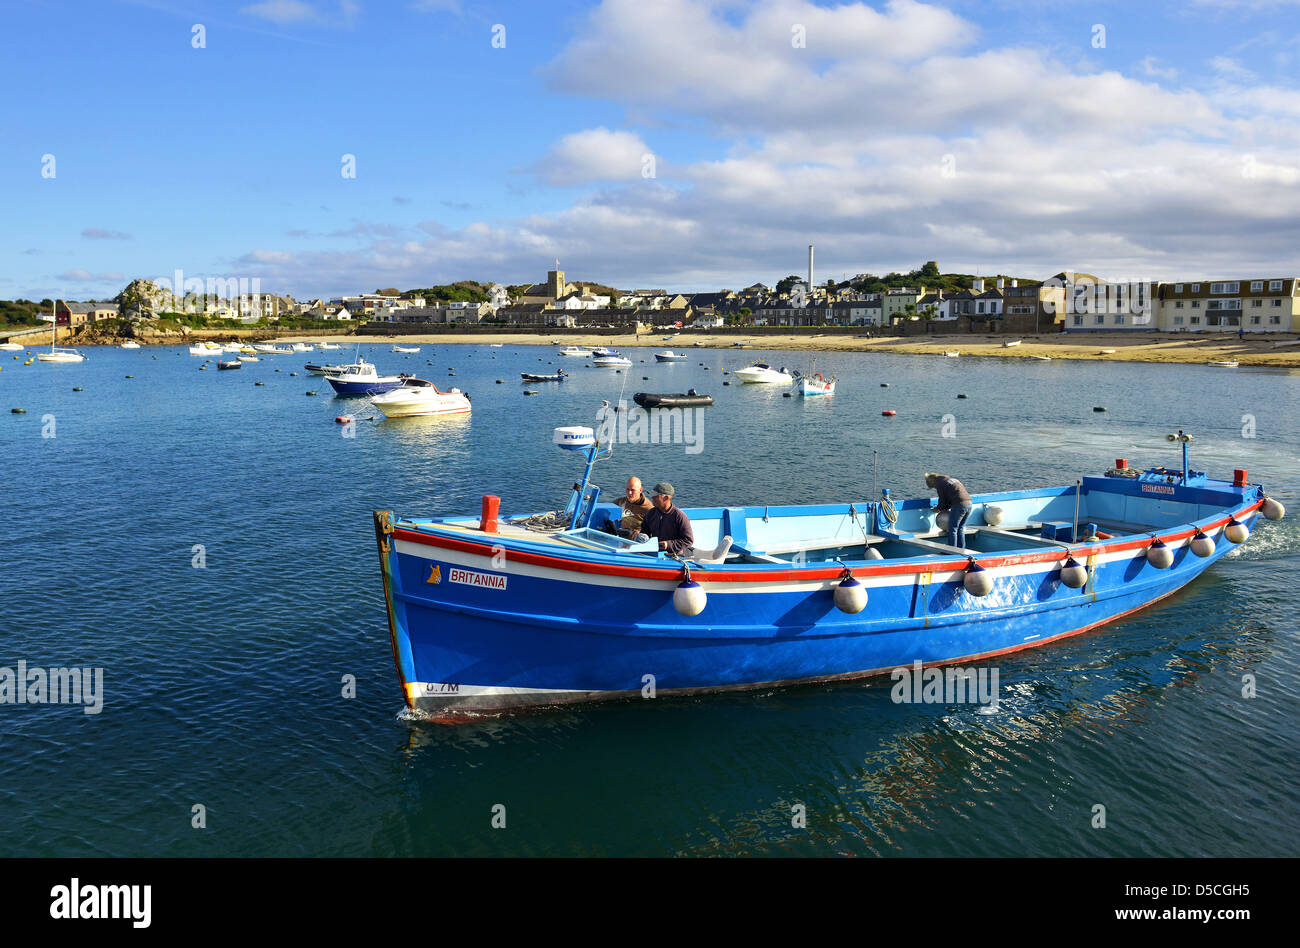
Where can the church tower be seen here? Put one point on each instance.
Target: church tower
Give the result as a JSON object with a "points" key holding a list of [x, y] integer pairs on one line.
{"points": [[555, 284]]}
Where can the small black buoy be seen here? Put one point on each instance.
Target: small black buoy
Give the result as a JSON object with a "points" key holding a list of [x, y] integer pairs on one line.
{"points": [[293, 373], [500, 381], [311, 393], [530, 393], [884, 385], [726, 383], [1099, 408], [18, 411], [645, 378], [963, 395], [259, 383], [78, 389], [785, 394]]}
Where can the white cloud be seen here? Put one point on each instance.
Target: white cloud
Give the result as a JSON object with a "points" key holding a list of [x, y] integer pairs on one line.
{"points": [[596, 154], [79, 275], [844, 144]]}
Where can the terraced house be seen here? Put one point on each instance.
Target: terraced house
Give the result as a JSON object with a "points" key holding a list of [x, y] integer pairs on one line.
{"points": [[1265, 305]]}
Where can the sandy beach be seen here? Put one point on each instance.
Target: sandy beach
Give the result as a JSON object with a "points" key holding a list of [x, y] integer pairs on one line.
{"points": [[1189, 348]]}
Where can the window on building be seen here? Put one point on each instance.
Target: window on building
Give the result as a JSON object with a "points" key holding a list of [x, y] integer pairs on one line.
{"points": [[1078, 320], [1178, 320], [1196, 287], [1196, 304], [1274, 285], [1277, 302], [1196, 320], [1119, 320], [1274, 320], [1256, 285], [1100, 320], [1254, 320], [1178, 288], [1178, 305], [1224, 287]]}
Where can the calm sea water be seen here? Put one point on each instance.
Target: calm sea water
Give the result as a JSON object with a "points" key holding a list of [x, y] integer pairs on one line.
{"points": [[223, 685]]}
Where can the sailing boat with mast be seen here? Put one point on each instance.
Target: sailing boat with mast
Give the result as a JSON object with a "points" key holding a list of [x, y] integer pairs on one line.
{"points": [[57, 353]]}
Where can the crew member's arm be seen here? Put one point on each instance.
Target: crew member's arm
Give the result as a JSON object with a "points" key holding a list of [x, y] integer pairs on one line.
{"points": [[685, 540]]}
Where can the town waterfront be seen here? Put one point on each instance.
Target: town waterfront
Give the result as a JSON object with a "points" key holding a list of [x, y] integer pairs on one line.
{"points": [[208, 543]]}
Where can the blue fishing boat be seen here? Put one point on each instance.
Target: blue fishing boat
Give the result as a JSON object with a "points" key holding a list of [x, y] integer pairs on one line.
{"points": [[500, 613], [360, 378]]}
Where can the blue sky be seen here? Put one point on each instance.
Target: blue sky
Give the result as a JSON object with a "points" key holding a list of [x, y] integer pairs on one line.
{"points": [[996, 137]]}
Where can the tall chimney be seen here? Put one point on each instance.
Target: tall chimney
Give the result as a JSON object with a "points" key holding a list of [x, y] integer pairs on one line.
{"points": [[810, 268], [977, 284]]}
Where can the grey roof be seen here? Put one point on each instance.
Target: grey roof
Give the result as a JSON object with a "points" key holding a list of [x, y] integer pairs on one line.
{"points": [[88, 307]]}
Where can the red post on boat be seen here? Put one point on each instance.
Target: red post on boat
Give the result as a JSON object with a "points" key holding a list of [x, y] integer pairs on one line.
{"points": [[488, 520], [1239, 477], [1121, 464]]}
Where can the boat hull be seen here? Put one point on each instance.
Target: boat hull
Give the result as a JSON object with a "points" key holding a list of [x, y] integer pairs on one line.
{"points": [[471, 632], [372, 387]]}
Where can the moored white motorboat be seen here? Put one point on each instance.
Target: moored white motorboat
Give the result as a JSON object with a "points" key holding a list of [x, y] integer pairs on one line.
{"points": [[496, 345], [247, 358], [613, 360], [58, 354], [416, 397], [410, 349], [10, 347], [576, 352], [233, 347], [267, 347], [316, 368], [302, 347], [129, 345], [1008, 345], [669, 356], [326, 346], [1038, 358], [761, 372], [952, 354], [1224, 363]]}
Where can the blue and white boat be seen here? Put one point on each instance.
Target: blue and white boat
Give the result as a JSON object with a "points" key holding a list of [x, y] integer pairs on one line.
{"points": [[669, 356], [545, 609], [360, 378]]}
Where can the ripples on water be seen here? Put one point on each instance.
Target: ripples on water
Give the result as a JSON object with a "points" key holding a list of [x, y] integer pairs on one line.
{"points": [[224, 684]]}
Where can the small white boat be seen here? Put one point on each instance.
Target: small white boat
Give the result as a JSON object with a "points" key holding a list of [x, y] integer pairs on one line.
{"points": [[326, 346], [668, 338], [283, 350], [576, 352], [201, 351], [302, 347], [1008, 345], [496, 345], [810, 385], [411, 349], [761, 372], [130, 345], [610, 361], [416, 397], [247, 358], [1105, 352], [1223, 363], [60, 355], [600, 352], [233, 347], [954, 354], [10, 347], [669, 356], [1039, 358], [264, 347]]}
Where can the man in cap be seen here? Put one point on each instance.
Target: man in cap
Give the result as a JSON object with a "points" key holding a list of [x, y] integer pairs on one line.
{"points": [[667, 523], [954, 499]]}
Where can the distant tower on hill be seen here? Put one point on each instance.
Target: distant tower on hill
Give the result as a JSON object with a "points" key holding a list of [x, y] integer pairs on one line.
{"points": [[555, 283]]}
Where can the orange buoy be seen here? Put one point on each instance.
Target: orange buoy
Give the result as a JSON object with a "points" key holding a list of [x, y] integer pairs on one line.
{"points": [[889, 411], [343, 419]]}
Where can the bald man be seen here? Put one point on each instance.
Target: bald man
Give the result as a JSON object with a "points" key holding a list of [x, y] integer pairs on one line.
{"points": [[635, 506]]}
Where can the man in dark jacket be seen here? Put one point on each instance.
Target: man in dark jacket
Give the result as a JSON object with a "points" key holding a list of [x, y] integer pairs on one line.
{"points": [[667, 523], [954, 499]]}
